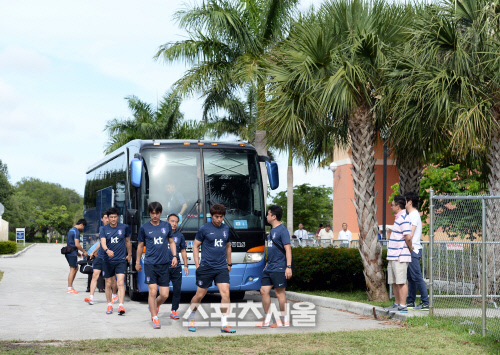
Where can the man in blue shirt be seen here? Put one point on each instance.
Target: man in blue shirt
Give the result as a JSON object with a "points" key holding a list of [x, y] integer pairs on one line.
{"points": [[155, 234], [278, 267], [214, 266], [73, 240], [115, 241], [175, 273], [98, 254]]}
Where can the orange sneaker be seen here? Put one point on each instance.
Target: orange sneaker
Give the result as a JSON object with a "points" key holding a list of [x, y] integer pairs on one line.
{"points": [[72, 290], [227, 329], [156, 323], [192, 326], [109, 310], [114, 299], [89, 300], [280, 324], [263, 324], [121, 311], [174, 315]]}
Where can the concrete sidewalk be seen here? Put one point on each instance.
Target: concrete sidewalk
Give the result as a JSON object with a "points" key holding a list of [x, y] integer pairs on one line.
{"points": [[34, 305]]}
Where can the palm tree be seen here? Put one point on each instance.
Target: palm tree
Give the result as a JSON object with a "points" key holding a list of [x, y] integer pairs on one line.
{"points": [[454, 80], [166, 122], [338, 66], [229, 41]]}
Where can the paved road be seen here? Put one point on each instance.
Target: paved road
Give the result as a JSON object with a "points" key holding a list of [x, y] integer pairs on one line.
{"points": [[34, 305]]}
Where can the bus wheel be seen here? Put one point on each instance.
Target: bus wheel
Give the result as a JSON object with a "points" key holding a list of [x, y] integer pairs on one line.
{"points": [[237, 295]]}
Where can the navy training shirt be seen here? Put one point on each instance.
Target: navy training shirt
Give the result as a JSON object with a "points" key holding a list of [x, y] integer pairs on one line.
{"points": [[276, 260], [115, 241], [156, 240], [213, 245], [180, 243], [72, 235], [100, 252]]}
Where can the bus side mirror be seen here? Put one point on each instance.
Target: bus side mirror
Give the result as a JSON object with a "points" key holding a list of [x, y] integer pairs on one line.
{"points": [[132, 219], [272, 174], [136, 172]]}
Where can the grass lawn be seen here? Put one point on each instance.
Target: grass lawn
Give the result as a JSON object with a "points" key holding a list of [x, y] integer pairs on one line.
{"points": [[356, 296], [418, 336], [20, 246]]}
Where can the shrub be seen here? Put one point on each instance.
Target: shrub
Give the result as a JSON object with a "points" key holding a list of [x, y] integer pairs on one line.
{"points": [[332, 269], [12, 236], [9, 247]]}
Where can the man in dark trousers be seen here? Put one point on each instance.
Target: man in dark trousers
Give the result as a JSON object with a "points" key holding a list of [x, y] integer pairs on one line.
{"points": [[175, 273], [214, 266], [73, 240]]}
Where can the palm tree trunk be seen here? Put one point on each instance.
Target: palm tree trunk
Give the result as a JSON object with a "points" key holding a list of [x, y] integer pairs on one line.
{"points": [[260, 136], [362, 132], [410, 174], [289, 194], [493, 217]]}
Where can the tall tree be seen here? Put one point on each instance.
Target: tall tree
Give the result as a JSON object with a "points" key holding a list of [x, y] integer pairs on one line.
{"points": [[166, 122], [6, 189], [339, 65], [229, 41]]}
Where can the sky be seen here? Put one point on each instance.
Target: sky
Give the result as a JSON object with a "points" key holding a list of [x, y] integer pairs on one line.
{"points": [[65, 69]]}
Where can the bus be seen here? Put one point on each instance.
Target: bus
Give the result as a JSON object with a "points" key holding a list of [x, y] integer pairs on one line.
{"points": [[186, 177]]}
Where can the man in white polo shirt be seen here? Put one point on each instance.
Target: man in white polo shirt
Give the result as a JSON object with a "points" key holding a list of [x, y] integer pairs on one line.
{"points": [[415, 279], [301, 235], [345, 234]]}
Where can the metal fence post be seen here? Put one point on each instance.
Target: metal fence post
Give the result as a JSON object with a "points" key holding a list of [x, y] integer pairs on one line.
{"points": [[431, 255], [483, 267]]}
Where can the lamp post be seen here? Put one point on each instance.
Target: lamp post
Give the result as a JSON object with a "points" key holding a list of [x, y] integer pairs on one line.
{"points": [[333, 168]]}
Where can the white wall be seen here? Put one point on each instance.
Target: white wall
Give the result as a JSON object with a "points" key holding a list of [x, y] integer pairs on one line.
{"points": [[4, 230]]}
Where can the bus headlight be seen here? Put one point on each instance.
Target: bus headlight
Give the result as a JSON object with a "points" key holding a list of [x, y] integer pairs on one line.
{"points": [[253, 257]]}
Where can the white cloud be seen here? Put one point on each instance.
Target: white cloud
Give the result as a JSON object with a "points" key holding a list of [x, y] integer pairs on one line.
{"points": [[9, 98], [23, 60]]}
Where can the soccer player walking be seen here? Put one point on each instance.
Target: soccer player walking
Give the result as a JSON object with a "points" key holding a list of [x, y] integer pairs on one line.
{"points": [[278, 268], [115, 241], [214, 266], [175, 273], [156, 235]]}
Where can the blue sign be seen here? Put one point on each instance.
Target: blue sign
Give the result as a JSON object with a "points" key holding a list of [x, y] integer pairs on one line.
{"points": [[20, 235], [240, 224]]}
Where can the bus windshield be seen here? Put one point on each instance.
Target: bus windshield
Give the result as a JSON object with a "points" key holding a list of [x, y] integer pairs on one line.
{"points": [[232, 178], [173, 177]]}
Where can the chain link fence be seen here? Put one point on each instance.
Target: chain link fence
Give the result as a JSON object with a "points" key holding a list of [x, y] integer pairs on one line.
{"points": [[463, 264]]}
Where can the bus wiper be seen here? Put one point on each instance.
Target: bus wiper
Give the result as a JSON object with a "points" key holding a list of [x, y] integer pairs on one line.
{"points": [[189, 214]]}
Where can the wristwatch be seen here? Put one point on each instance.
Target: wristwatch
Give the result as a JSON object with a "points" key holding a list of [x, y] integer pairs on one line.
{"points": [[230, 265], [174, 256], [289, 266], [106, 250]]}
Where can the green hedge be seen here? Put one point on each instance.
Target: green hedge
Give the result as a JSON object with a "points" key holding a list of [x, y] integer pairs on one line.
{"points": [[332, 269], [12, 236], [8, 247]]}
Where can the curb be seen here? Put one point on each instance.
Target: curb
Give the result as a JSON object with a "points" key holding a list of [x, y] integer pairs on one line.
{"points": [[18, 253], [349, 306]]}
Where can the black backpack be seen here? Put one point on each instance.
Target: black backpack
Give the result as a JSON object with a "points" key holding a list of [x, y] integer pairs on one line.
{"points": [[86, 266]]}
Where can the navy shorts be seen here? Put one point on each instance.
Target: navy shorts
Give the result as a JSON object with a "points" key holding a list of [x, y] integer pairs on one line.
{"points": [[276, 279], [156, 274], [98, 264], [205, 276], [71, 260], [112, 269]]}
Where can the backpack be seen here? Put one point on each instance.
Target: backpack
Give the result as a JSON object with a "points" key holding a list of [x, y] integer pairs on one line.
{"points": [[86, 266]]}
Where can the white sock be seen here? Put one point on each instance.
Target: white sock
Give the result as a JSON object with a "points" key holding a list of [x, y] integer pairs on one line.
{"points": [[284, 319], [120, 305], [268, 318], [91, 297], [110, 304], [70, 288], [191, 315], [155, 317], [224, 320], [114, 295]]}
